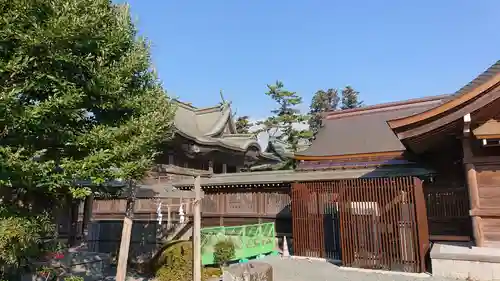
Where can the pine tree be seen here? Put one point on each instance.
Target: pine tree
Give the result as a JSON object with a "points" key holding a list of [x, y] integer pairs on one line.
{"points": [[350, 98], [243, 125], [322, 101], [282, 124]]}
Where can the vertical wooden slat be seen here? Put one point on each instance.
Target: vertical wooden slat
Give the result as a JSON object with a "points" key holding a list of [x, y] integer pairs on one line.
{"points": [[320, 221], [416, 248], [377, 222], [342, 216], [386, 214], [421, 222], [395, 194], [394, 241]]}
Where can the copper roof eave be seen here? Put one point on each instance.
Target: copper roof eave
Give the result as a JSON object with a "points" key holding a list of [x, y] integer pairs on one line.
{"points": [[289, 176], [447, 106], [216, 142], [452, 117]]}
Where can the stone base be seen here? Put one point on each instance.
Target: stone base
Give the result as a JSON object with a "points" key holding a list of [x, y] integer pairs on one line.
{"points": [[465, 262], [90, 265], [251, 271]]}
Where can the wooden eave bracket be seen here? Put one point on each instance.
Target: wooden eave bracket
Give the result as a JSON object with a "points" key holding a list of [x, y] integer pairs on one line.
{"points": [[467, 121]]}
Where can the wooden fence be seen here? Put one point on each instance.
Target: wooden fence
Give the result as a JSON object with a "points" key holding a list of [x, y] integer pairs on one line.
{"points": [[316, 217], [220, 207], [239, 206], [366, 223]]}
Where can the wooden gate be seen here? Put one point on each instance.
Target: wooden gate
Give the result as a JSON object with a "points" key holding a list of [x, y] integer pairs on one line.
{"points": [[375, 223]]}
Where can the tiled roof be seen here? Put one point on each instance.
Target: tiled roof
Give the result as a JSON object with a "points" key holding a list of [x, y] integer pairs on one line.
{"points": [[365, 130]]}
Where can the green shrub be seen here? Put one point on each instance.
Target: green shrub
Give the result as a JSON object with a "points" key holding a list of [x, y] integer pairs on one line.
{"points": [[21, 240], [48, 273], [224, 251], [174, 262]]}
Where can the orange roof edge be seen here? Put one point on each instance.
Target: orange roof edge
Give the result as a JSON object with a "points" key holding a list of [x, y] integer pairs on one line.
{"points": [[358, 155], [400, 122], [332, 114]]}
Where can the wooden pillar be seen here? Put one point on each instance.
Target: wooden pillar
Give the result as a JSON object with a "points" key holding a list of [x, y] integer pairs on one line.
{"points": [[472, 186], [473, 189], [224, 168], [197, 231], [121, 270]]}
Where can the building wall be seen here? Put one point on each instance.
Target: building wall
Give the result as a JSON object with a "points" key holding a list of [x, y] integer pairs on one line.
{"points": [[482, 165], [488, 180]]}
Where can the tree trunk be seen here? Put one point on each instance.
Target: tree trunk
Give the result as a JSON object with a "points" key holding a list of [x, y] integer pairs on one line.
{"points": [[73, 220], [87, 217]]}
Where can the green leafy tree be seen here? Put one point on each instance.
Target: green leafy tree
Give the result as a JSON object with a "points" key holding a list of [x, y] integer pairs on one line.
{"points": [[322, 101], [79, 101], [350, 98], [283, 123], [243, 125]]}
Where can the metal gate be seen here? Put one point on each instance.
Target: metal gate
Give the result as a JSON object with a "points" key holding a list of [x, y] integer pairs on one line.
{"points": [[377, 223]]}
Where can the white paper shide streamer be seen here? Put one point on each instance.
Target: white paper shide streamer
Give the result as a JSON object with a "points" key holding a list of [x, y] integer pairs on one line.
{"points": [[181, 214], [158, 213]]}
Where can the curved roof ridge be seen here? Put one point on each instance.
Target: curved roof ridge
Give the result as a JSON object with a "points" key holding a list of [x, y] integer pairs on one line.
{"points": [[209, 109], [221, 122], [238, 145], [480, 79], [386, 106], [482, 83], [190, 106], [238, 135]]}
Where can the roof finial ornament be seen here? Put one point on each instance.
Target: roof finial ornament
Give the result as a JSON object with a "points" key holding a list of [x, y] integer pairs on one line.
{"points": [[222, 97]]}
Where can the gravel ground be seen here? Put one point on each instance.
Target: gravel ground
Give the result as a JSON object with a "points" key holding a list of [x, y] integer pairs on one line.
{"points": [[287, 269]]}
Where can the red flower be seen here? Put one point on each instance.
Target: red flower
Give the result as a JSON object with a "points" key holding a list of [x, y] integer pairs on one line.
{"points": [[56, 255]]}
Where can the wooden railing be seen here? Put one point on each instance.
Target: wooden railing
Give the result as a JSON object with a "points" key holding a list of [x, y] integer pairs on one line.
{"points": [[448, 213]]}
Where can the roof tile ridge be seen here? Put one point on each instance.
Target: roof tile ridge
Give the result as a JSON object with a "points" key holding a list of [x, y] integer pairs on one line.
{"points": [[484, 76], [389, 104], [184, 105], [191, 107], [381, 109], [210, 109], [238, 135]]}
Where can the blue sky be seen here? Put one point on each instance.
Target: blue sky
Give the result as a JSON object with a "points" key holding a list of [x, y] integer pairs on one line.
{"points": [[388, 49]]}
